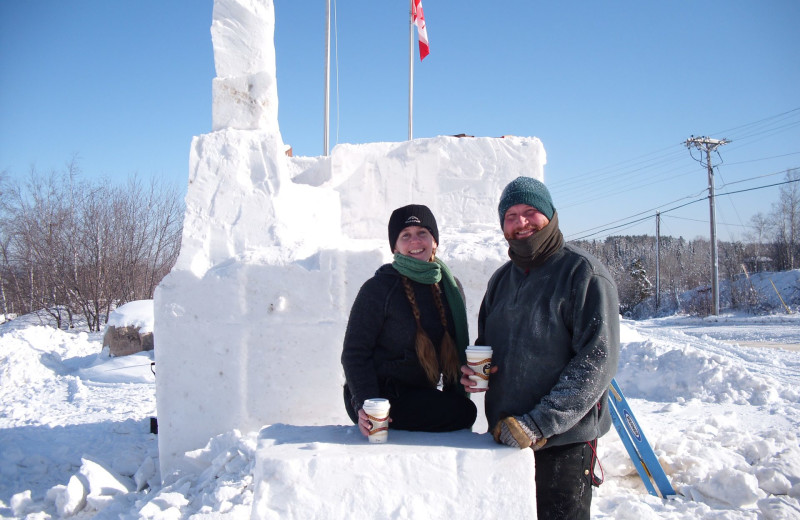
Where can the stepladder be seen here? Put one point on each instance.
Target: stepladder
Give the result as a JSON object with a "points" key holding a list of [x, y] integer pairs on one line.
{"points": [[639, 449]]}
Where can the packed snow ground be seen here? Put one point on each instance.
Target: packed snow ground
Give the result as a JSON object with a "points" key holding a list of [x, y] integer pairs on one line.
{"points": [[718, 398]]}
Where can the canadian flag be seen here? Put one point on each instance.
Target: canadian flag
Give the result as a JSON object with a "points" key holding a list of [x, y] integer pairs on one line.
{"points": [[418, 18]]}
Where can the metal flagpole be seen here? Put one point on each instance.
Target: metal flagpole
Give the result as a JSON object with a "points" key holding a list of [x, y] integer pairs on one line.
{"points": [[410, 70], [326, 117]]}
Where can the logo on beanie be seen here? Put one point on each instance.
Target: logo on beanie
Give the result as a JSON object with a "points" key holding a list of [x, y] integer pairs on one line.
{"points": [[412, 220]]}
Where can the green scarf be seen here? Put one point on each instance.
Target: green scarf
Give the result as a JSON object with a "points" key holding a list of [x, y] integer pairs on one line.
{"points": [[433, 272]]}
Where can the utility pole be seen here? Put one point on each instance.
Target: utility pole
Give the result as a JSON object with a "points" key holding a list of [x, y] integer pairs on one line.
{"points": [[658, 258], [708, 145]]}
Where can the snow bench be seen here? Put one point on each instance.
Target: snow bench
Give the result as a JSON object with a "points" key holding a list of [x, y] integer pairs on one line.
{"points": [[304, 472]]}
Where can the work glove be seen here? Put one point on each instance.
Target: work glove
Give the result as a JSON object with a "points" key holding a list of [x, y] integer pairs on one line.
{"points": [[517, 432]]}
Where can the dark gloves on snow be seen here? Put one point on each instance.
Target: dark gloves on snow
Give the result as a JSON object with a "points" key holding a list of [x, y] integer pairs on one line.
{"points": [[517, 432]]}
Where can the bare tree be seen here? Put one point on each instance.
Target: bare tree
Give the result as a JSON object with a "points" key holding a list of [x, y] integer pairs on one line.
{"points": [[155, 220], [73, 247], [34, 220], [785, 220], [759, 225]]}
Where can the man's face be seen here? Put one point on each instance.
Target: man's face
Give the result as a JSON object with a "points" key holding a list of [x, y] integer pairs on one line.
{"points": [[522, 221]]}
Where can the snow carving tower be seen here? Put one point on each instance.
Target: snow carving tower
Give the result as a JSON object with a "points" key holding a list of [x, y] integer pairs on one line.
{"points": [[249, 323], [233, 348]]}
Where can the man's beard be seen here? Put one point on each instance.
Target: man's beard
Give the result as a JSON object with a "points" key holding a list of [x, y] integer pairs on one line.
{"points": [[513, 235]]}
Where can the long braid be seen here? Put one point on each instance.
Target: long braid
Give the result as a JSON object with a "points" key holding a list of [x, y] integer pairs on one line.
{"points": [[450, 362], [425, 351]]}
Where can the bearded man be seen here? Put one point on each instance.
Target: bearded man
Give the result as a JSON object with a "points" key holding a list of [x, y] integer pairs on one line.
{"points": [[551, 316]]}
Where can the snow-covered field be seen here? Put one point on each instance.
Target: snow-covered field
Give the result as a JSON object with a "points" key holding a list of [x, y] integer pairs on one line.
{"points": [[719, 399]]}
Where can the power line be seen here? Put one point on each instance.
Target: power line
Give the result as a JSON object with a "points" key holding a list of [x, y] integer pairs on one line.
{"points": [[760, 187], [706, 222], [755, 178], [782, 115], [647, 211], [638, 220], [649, 168], [597, 176], [591, 173], [763, 159], [616, 227], [627, 222], [735, 209], [593, 193]]}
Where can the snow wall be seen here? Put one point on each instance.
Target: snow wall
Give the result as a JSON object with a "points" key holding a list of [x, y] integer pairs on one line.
{"points": [[249, 323]]}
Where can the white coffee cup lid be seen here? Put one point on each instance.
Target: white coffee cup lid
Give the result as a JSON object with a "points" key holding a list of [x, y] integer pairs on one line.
{"points": [[377, 403], [478, 347]]}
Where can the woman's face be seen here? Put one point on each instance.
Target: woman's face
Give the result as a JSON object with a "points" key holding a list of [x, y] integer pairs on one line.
{"points": [[416, 242]]}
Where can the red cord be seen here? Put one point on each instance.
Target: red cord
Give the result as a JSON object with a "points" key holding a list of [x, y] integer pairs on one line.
{"points": [[595, 459]]}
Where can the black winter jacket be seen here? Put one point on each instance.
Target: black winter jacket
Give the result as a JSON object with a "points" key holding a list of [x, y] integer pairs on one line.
{"points": [[379, 355]]}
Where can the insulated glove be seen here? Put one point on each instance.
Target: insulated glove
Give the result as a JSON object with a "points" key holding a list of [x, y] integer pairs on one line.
{"points": [[514, 431]]}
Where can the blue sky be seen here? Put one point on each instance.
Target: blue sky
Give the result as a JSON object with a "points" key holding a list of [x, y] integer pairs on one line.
{"points": [[613, 89]]}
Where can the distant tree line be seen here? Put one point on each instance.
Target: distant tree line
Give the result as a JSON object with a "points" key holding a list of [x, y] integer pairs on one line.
{"points": [[774, 245], [74, 248]]}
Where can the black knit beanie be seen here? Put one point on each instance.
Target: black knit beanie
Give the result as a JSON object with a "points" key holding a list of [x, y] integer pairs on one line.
{"points": [[411, 215], [526, 190]]}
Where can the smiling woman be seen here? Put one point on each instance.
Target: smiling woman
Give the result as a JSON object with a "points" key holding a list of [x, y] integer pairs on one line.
{"points": [[407, 335]]}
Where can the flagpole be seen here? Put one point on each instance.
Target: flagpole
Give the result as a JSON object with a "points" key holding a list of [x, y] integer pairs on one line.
{"points": [[411, 70], [326, 117]]}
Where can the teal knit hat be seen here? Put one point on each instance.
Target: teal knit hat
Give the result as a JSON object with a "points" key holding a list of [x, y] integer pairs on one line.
{"points": [[526, 190]]}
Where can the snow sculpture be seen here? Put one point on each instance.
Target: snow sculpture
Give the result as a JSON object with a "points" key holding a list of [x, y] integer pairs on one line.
{"points": [[330, 472], [275, 248], [245, 247]]}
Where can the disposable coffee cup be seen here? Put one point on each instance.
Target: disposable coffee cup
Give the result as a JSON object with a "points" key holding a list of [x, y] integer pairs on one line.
{"points": [[377, 411], [479, 359]]}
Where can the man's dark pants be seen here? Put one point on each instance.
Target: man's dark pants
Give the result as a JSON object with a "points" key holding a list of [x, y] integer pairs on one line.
{"points": [[564, 481]]}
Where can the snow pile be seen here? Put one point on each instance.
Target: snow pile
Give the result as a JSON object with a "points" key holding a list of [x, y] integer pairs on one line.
{"points": [[93, 441], [722, 418], [222, 482], [692, 369], [93, 487], [136, 314], [775, 291], [454, 474], [763, 292]]}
